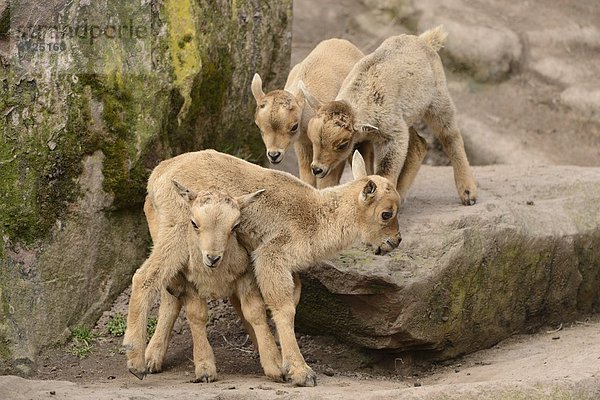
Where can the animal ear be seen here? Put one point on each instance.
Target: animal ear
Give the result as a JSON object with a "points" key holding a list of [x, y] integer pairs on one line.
{"points": [[363, 127], [300, 99], [184, 192], [311, 100], [248, 199], [257, 90], [359, 170], [368, 191]]}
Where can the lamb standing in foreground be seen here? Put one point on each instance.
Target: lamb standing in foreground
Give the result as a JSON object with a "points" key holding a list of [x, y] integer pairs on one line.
{"points": [[287, 229], [198, 229], [386, 93], [282, 115]]}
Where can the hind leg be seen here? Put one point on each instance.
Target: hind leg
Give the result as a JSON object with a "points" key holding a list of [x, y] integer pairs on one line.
{"points": [[417, 149], [235, 302], [441, 119]]}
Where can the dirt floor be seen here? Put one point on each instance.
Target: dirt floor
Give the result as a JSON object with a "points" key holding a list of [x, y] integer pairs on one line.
{"points": [[558, 362], [526, 112]]}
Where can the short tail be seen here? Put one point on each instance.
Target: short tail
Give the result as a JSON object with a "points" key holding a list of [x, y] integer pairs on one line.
{"points": [[435, 38]]}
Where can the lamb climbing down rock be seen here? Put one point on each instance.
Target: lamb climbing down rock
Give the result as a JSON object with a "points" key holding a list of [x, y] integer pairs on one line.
{"points": [[384, 95]]}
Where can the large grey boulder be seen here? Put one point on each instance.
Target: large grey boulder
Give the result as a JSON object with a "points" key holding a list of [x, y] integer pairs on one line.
{"points": [[118, 87], [465, 278], [477, 44]]}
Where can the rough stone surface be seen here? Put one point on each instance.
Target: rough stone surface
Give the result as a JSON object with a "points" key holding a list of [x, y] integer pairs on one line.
{"points": [[477, 137], [583, 99], [465, 278], [477, 44], [82, 127]]}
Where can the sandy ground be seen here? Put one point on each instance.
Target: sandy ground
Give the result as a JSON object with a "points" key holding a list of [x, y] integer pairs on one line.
{"points": [[561, 364]]}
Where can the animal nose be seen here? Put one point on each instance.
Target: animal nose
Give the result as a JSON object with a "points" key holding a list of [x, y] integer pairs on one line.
{"points": [[317, 171], [213, 259], [395, 242], [274, 156]]}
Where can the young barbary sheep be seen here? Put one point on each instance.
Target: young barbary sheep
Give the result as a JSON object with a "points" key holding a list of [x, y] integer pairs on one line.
{"points": [[386, 93], [282, 115], [198, 229], [287, 229]]}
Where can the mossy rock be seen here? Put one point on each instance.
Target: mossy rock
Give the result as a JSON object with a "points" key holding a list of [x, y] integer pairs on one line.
{"points": [[83, 127]]}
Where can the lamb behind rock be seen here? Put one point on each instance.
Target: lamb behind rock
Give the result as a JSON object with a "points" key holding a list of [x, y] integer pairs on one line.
{"points": [[283, 115], [384, 95]]}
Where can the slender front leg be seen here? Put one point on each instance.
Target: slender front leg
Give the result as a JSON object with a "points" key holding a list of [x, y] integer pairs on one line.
{"points": [[297, 294], [254, 311], [417, 149], [196, 311], [391, 149], [303, 150], [277, 287], [167, 315]]}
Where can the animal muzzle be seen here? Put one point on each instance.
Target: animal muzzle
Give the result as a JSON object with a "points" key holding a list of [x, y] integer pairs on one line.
{"points": [[388, 245], [319, 171], [275, 157], [212, 261]]}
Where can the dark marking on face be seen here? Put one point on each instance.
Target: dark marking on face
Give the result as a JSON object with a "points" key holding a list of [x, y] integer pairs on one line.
{"points": [[378, 98], [283, 100], [339, 112]]}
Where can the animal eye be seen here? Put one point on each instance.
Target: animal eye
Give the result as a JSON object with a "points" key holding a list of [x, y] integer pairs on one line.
{"points": [[386, 215], [343, 146], [294, 127], [262, 105], [194, 225]]}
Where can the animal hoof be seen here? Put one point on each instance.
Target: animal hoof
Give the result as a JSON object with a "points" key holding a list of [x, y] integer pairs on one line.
{"points": [[152, 368], [468, 199], [276, 374], [204, 378], [138, 374], [310, 380], [306, 378]]}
